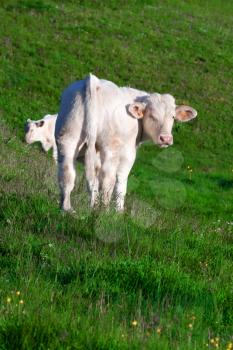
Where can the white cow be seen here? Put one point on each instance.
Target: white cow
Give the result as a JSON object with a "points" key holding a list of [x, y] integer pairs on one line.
{"points": [[110, 121], [43, 131]]}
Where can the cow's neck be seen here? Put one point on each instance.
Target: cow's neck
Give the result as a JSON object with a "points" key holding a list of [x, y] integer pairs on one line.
{"points": [[142, 134], [46, 142]]}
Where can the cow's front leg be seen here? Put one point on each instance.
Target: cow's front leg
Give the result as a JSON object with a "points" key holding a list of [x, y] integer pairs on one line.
{"points": [[123, 170], [95, 189], [55, 152], [92, 168], [107, 177]]}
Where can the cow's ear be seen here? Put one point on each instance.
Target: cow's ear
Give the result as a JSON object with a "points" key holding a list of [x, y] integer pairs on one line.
{"points": [[28, 120], [137, 109], [185, 113], [40, 124]]}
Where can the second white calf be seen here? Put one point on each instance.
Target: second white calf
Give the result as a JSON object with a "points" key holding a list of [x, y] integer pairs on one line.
{"points": [[43, 131]]}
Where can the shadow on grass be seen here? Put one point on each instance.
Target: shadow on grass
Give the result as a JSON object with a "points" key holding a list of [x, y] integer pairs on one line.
{"points": [[225, 184]]}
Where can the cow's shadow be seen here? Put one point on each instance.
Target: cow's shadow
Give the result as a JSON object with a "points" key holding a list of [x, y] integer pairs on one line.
{"points": [[225, 184]]}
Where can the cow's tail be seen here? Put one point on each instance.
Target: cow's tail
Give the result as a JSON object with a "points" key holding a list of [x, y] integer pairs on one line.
{"points": [[92, 105]]}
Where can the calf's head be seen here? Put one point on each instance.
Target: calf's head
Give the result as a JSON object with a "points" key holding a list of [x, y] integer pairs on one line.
{"points": [[34, 130], [158, 113]]}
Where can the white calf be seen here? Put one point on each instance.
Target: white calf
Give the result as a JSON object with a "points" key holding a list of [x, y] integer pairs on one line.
{"points": [[110, 122], [43, 131]]}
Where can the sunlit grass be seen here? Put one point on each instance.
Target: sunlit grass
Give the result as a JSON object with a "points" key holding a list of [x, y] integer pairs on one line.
{"points": [[160, 275]]}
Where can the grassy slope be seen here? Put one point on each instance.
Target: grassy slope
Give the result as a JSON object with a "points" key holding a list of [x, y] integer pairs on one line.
{"points": [[168, 260]]}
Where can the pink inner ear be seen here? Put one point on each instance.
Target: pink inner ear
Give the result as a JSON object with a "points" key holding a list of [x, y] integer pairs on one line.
{"points": [[185, 115], [138, 111]]}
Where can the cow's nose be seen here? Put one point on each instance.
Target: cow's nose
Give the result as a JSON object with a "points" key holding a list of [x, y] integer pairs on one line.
{"points": [[166, 139]]}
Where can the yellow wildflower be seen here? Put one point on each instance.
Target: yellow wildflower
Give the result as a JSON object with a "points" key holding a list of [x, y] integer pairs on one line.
{"points": [[134, 323]]}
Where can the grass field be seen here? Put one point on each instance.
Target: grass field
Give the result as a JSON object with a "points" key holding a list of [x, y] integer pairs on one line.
{"points": [[160, 275]]}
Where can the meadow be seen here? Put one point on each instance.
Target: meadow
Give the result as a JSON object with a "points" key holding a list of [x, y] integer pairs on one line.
{"points": [[158, 276]]}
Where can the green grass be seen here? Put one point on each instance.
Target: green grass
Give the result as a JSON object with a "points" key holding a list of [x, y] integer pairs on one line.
{"points": [[166, 263]]}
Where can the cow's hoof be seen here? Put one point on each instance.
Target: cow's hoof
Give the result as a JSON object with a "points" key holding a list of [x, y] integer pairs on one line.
{"points": [[120, 211], [68, 211]]}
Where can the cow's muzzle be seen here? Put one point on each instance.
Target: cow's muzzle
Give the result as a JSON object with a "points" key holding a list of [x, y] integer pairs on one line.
{"points": [[28, 139], [165, 140]]}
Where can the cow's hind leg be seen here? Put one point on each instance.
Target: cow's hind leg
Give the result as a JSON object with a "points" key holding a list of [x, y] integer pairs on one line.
{"points": [[66, 176]]}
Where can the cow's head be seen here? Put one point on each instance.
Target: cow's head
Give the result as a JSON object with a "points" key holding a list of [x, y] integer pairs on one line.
{"points": [[159, 113], [34, 130]]}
